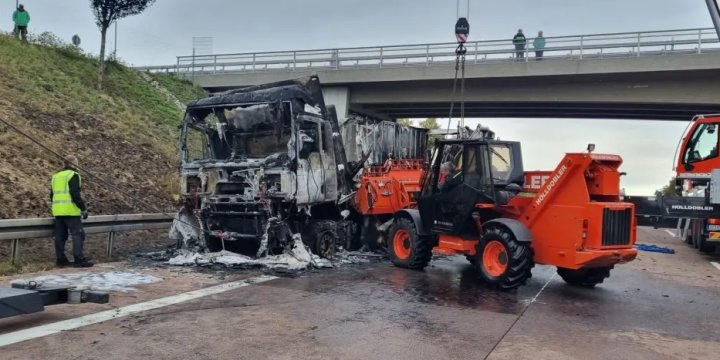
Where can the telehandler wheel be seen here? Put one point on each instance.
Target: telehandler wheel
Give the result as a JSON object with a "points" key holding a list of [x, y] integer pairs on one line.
{"points": [[501, 260], [585, 277], [407, 248]]}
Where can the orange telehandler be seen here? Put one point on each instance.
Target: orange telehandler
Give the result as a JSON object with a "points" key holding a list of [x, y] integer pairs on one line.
{"points": [[476, 200]]}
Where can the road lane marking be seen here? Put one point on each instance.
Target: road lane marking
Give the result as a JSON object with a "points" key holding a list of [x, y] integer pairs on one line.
{"points": [[543, 288], [70, 324], [670, 232], [527, 306], [715, 265]]}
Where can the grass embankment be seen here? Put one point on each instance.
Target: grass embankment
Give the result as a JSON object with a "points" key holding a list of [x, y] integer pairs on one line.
{"points": [[126, 133]]}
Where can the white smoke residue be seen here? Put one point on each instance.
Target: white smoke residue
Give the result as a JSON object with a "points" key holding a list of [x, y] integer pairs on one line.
{"points": [[297, 258]]}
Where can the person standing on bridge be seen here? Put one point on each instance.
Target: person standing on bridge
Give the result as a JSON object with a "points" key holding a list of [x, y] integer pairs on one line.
{"points": [[68, 208], [21, 18], [520, 41], [539, 45]]}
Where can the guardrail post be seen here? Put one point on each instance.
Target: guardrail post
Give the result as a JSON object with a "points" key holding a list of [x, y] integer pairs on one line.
{"points": [[381, 57], [294, 66], [476, 52], [14, 250], [110, 243], [253, 62], [427, 55], [638, 43], [582, 45], [215, 64], [699, 41]]}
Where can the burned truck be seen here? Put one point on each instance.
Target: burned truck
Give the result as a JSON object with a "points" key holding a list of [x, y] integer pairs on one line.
{"points": [[260, 164]]}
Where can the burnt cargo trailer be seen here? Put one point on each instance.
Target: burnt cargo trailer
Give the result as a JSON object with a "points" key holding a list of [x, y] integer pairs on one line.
{"points": [[382, 140]]}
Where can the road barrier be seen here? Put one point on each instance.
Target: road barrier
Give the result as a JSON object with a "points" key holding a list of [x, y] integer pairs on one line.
{"points": [[16, 230]]}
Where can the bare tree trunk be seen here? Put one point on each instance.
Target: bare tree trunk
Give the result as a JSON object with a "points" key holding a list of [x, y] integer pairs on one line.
{"points": [[101, 75]]}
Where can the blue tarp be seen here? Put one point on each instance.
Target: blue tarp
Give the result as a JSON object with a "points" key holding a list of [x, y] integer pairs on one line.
{"points": [[654, 248]]}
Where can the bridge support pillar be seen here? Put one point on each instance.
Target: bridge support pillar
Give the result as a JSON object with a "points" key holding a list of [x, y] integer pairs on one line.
{"points": [[340, 97]]}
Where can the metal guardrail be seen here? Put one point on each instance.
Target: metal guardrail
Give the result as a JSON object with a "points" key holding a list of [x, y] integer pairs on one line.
{"points": [[579, 47], [16, 230]]}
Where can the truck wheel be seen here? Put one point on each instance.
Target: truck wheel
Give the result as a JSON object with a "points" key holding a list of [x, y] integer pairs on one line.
{"points": [[501, 260], [702, 244], [369, 234], [320, 236], [585, 277], [407, 248]]}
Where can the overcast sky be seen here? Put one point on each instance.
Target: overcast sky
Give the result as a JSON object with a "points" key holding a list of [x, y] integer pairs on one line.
{"points": [[167, 28]]}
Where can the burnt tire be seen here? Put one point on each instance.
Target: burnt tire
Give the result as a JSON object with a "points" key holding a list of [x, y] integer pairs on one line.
{"points": [[369, 234], [585, 277], [406, 247], [321, 236], [501, 260]]}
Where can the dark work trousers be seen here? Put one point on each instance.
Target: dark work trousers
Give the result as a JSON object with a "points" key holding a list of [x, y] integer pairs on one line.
{"points": [[519, 51], [539, 54], [72, 224]]}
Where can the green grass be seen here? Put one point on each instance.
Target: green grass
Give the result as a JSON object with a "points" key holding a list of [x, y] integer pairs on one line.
{"points": [[183, 89], [22, 267], [60, 80]]}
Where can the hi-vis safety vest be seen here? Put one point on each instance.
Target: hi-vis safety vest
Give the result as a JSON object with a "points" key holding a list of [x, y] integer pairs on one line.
{"points": [[62, 204]]}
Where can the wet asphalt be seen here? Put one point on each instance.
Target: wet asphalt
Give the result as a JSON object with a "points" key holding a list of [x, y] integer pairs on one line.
{"points": [[661, 307]]}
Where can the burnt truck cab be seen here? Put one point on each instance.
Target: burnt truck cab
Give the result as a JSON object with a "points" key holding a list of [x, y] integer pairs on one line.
{"points": [[260, 164]]}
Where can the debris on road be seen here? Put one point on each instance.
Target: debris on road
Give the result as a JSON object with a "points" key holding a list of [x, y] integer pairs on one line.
{"points": [[298, 257], [106, 281], [654, 248]]}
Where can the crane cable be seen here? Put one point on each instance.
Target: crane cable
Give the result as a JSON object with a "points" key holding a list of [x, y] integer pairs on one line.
{"points": [[460, 52], [108, 183], [462, 30]]}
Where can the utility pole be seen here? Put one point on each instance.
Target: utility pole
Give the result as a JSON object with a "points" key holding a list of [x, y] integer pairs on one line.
{"points": [[714, 14], [15, 29], [115, 51]]}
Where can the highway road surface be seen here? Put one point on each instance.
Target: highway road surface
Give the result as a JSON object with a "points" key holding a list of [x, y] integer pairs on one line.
{"points": [[659, 307]]}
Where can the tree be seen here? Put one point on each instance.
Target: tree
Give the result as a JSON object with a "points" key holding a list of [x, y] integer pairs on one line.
{"points": [[405, 122], [668, 190], [431, 124], [108, 11]]}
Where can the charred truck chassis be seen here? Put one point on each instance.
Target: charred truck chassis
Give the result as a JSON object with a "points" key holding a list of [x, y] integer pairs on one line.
{"points": [[260, 164]]}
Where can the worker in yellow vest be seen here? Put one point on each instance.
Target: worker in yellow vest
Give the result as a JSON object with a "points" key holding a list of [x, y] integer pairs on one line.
{"points": [[68, 208]]}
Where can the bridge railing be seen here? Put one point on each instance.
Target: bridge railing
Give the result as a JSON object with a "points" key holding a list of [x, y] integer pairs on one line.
{"points": [[579, 47]]}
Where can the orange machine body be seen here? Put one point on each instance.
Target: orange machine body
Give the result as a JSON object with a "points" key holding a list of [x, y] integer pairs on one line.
{"points": [[702, 167], [575, 213], [389, 188]]}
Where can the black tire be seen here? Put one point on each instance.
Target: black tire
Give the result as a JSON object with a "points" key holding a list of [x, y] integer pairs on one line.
{"points": [[515, 259], [689, 237], [321, 236], [471, 259], [703, 246], [696, 233], [585, 277], [413, 251], [369, 234]]}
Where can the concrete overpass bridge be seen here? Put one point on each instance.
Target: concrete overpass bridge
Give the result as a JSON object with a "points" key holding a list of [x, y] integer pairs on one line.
{"points": [[661, 75]]}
